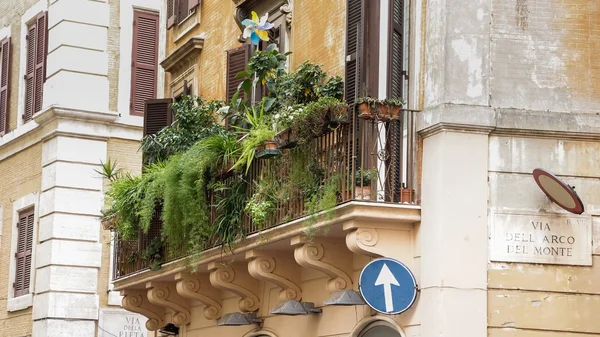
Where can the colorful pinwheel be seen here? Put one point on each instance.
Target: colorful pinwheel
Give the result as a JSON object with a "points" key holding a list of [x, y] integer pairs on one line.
{"points": [[256, 29]]}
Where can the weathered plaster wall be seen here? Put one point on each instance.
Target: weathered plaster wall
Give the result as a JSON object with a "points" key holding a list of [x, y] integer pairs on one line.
{"points": [[21, 175], [526, 299], [545, 55]]}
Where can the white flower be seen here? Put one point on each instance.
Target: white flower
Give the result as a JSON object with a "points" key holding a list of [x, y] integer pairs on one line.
{"points": [[276, 116], [291, 117]]}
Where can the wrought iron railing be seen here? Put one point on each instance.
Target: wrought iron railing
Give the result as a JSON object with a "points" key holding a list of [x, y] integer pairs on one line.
{"points": [[382, 150]]}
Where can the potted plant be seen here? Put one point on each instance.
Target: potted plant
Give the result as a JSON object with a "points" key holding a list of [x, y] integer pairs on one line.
{"points": [[364, 180], [393, 106], [109, 220], [366, 107], [407, 194]]}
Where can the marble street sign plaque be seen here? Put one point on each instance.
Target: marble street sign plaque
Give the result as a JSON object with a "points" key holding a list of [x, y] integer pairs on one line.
{"points": [[541, 238]]}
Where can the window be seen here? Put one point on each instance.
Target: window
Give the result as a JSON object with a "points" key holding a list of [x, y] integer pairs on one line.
{"points": [[35, 68], [144, 68], [179, 10], [23, 253], [4, 84], [379, 329]]}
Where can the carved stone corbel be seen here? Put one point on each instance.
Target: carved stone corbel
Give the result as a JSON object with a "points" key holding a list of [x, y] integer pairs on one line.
{"points": [[280, 270], [329, 256], [197, 287], [376, 240], [235, 278], [165, 295], [287, 11], [136, 301]]}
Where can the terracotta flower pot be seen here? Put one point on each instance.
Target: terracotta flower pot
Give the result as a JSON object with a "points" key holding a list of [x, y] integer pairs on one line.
{"points": [[362, 193], [384, 112], [364, 111], [109, 223], [407, 196], [395, 112], [270, 145]]}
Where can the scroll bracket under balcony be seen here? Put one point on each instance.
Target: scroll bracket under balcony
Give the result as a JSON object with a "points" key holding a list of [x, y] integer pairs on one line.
{"points": [[197, 287], [277, 268], [136, 301], [165, 295], [327, 255], [380, 239], [234, 277]]}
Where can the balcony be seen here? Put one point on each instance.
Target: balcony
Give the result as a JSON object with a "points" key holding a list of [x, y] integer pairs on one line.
{"points": [[373, 161]]}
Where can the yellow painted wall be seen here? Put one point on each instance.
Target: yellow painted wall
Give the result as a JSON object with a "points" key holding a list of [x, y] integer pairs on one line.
{"points": [[318, 34], [20, 175]]}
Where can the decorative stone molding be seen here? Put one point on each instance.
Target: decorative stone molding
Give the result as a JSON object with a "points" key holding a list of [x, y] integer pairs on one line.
{"points": [[380, 239], [327, 256], [165, 295], [280, 270], [135, 300], [197, 287], [187, 51], [235, 278], [287, 11]]}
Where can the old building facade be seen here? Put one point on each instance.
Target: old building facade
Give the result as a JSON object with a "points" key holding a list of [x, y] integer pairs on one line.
{"points": [[64, 109], [496, 89]]}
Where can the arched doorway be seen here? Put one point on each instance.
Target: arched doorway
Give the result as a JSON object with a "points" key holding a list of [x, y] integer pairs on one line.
{"points": [[379, 329]]}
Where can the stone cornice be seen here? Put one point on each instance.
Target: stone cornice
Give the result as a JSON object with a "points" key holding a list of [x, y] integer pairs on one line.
{"points": [[190, 48], [509, 122], [60, 112]]}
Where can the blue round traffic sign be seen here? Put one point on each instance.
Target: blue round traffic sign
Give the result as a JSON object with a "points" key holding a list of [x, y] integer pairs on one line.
{"points": [[388, 286]]}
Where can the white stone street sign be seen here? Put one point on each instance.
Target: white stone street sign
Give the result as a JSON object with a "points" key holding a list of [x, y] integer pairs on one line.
{"points": [[541, 238], [121, 323]]}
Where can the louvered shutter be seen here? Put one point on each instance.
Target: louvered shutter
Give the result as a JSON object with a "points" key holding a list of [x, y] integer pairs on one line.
{"points": [[144, 60], [395, 81], [237, 59], [171, 10], [40, 60], [182, 10], [354, 52], [23, 254], [4, 84], [30, 74], [157, 115]]}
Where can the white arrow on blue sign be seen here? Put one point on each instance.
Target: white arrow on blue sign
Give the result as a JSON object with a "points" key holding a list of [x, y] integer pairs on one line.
{"points": [[388, 286]]}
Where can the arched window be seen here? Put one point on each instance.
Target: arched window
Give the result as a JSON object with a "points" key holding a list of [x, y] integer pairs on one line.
{"points": [[379, 329]]}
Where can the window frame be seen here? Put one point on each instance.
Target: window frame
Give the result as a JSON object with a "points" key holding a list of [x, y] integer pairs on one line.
{"points": [[16, 303]]}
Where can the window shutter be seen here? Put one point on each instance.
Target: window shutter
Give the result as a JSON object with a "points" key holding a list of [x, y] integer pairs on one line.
{"points": [[157, 115], [171, 13], [23, 254], [192, 4], [354, 52], [237, 59], [30, 74], [182, 10], [4, 84], [187, 88], [40, 59], [396, 64], [144, 60]]}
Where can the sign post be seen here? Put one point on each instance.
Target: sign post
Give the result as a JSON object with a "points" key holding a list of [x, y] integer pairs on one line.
{"points": [[388, 286]]}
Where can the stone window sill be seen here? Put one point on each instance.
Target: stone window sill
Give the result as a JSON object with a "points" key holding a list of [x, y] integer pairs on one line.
{"points": [[19, 303]]}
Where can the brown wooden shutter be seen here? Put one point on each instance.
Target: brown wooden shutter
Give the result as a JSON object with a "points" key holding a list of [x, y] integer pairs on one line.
{"points": [[237, 59], [354, 52], [192, 4], [41, 48], [144, 60], [182, 10], [396, 59], [187, 88], [157, 115], [4, 84], [171, 11], [23, 254], [30, 73]]}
